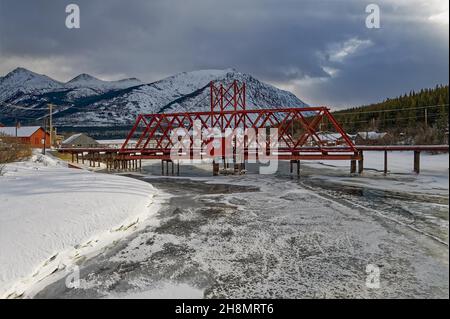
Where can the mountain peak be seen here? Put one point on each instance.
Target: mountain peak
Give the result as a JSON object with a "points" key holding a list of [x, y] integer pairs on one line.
{"points": [[21, 75], [92, 84], [20, 72], [83, 77], [20, 69], [21, 80]]}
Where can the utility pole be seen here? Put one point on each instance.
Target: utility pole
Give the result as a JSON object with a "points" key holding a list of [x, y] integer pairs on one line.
{"points": [[426, 118], [44, 140], [17, 141], [50, 106]]}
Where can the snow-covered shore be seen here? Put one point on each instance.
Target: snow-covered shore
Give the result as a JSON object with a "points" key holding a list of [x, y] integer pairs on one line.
{"points": [[52, 216], [432, 180]]}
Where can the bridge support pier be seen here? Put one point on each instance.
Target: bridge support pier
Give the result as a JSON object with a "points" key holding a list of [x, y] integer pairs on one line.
{"points": [[353, 167], [361, 163], [291, 166], [167, 167], [215, 168], [417, 162]]}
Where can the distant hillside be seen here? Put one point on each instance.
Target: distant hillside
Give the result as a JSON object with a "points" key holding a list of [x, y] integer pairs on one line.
{"points": [[420, 116]]}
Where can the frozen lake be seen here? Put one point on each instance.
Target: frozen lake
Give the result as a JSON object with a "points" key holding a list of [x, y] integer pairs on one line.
{"points": [[275, 236]]}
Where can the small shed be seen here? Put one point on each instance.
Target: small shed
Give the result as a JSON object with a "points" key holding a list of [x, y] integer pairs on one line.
{"points": [[79, 140], [33, 135], [334, 139], [373, 138]]}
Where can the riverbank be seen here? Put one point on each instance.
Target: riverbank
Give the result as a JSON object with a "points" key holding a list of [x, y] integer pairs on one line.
{"points": [[273, 236], [53, 217]]}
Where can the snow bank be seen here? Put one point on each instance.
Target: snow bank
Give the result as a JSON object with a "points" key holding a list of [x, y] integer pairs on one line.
{"points": [[52, 216]]}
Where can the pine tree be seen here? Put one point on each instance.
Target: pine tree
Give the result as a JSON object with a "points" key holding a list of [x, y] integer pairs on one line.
{"points": [[402, 114]]}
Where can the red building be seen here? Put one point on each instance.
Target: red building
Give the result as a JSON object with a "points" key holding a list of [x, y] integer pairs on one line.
{"points": [[33, 135]]}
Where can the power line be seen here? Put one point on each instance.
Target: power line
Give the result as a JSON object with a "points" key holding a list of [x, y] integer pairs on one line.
{"points": [[403, 108], [390, 119], [30, 108]]}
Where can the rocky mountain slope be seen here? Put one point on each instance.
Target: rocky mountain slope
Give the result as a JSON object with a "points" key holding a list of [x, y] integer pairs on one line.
{"points": [[88, 101]]}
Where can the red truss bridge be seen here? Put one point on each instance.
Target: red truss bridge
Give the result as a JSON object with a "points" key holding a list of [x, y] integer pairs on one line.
{"points": [[304, 133], [298, 130]]}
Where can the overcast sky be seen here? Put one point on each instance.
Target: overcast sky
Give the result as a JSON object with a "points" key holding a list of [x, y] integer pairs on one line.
{"points": [[320, 50]]}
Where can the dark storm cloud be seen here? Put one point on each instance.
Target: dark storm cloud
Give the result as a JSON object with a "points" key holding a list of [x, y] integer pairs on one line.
{"points": [[319, 49]]}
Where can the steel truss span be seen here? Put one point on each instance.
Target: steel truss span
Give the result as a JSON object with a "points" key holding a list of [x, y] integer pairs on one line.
{"points": [[297, 137]]}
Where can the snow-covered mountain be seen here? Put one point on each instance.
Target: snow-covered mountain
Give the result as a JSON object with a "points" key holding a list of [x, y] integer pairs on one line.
{"points": [[86, 80], [86, 85], [88, 101], [22, 81]]}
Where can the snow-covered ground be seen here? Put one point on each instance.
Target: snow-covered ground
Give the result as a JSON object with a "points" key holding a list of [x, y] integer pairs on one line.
{"points": [[269, 236], [247, 236], [52, 217], [433, 177], [165, 291], [277, 236]]}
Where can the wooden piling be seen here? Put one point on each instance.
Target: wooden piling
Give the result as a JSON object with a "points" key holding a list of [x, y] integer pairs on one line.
{"points": [[215, 169], [352, 166], [361, 162], [417, 162]]}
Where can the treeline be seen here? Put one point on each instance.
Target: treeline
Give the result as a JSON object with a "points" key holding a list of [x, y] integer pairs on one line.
{"points": [[421, 117]]}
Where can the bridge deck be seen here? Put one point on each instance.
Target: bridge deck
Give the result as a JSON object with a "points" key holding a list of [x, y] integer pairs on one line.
{"points": [[281, 151]]}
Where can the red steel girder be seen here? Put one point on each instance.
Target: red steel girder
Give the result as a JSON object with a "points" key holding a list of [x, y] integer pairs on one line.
{"points": [[228, 111], [157, 127]]}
